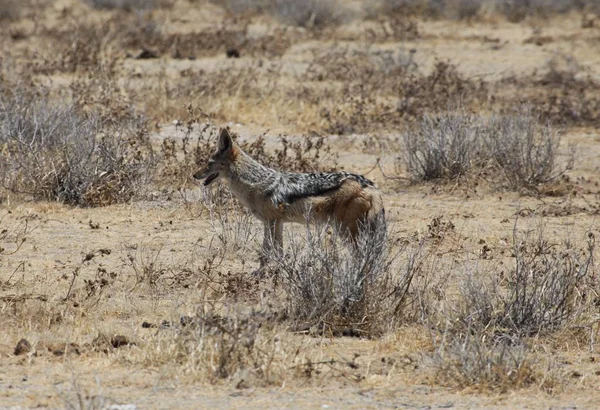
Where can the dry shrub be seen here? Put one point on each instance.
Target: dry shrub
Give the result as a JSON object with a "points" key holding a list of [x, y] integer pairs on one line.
{"points": [[302, 13], [518, 10], [525, 152], [355, 291], [309, 13], [234, 227], [393, 94], [54, 152], [443, 147], [148, 35], [549, 285], [513, 10], [238, 345], [484, 329], [128, 5], [77, 397], [515, 147], [342, 91], [13, 234], [83, 46], [472, 361], [80, 48], [565, 94], [425, 8]]}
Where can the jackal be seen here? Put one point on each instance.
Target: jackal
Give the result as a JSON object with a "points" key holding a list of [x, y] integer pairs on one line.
{"points": [[350, 202]]}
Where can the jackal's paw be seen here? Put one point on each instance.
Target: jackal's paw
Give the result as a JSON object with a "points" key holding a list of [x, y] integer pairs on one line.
{"points": [[260, 273], [265, 271]]}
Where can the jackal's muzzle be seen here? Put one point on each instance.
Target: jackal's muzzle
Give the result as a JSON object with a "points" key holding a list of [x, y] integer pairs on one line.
{"points": [[207, 175]]}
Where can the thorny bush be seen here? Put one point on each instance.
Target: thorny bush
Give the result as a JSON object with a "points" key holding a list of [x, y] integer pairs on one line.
{"points": [[55, 152]]}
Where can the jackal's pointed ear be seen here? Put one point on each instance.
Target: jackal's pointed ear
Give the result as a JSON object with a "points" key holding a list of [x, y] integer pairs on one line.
{"points": [[225, 140]]}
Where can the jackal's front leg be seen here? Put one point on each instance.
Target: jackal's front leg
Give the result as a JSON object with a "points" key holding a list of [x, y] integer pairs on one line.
{"points": [[272, 242]]}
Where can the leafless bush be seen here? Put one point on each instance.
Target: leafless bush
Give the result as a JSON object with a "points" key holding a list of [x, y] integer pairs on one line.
{"points": [[410, 95], [303, 13], [429, 8], [525, 152], [128, 5], [243, 6], [482, 341], [76, 397], [514, 145], [512, 10], [474, 361], [146, 263], [517, 10], [442, 147], [309, 13], [566, 94], [548, 285], [13, 234], [234, 345], [346, 290], [54, 152]]}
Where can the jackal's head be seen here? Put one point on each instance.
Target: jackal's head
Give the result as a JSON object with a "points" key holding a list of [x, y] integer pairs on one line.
{"points": [[219, 163]]}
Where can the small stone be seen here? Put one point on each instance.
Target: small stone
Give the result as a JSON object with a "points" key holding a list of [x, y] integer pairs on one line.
{"points": [[23, 347], [119, 341]]}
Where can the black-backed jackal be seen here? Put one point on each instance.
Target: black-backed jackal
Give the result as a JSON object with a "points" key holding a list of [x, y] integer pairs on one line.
{"points": [[350, 202]]}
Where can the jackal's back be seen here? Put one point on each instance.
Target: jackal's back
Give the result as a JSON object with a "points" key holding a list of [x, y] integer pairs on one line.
{"points": [[287, 188]]}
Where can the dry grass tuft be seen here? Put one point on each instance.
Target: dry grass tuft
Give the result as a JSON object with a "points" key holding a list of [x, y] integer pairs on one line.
{"points": [[443, 148], [332, 288], [472, 361], [55, 152], [485, 336], [514, 146]]}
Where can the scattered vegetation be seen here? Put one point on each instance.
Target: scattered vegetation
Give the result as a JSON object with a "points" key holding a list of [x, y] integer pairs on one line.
{"points": [[513, 10], [333, 289], [547, 286], [443, 147], [472, 361], [56, 153], [523, 152], [305, 13], [128, 5], [483, 341]]}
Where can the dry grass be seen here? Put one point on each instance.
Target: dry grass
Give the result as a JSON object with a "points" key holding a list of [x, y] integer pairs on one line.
{"points": [[54, 152], [305, 13], [513, 10], [485, 341], [513, 146], [331, 288], [10, 10], [128, 5]]}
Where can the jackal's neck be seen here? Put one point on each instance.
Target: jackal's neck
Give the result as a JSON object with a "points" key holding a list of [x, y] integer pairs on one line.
{"points": [[246, 171]]}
